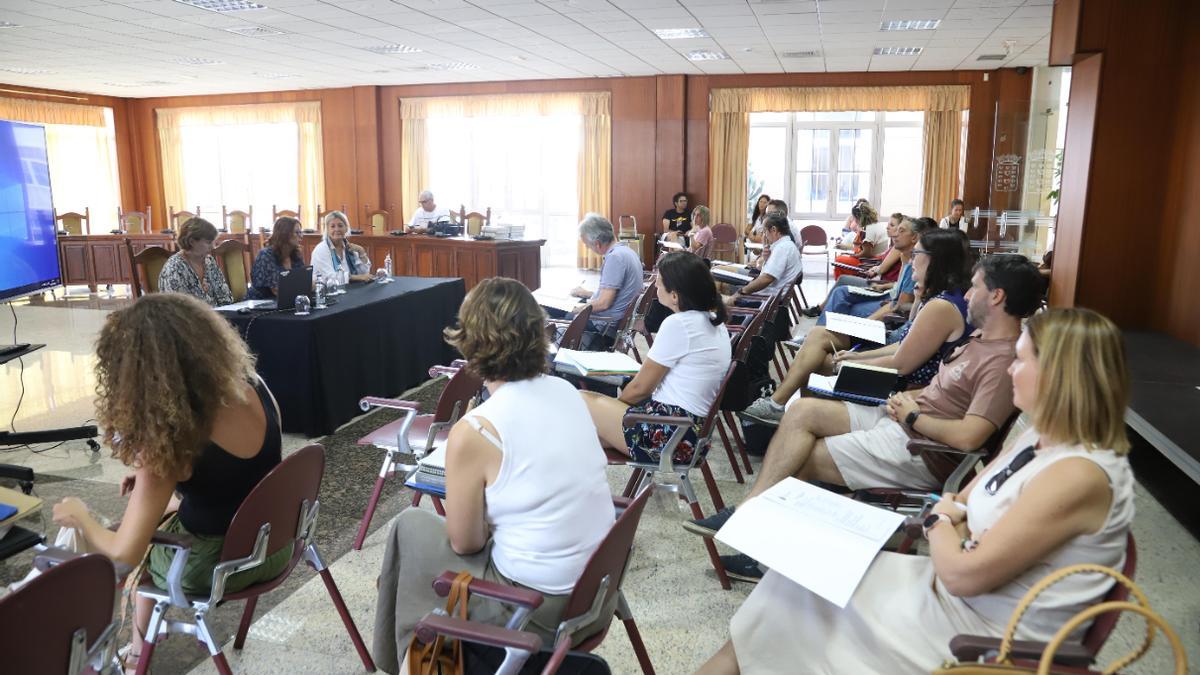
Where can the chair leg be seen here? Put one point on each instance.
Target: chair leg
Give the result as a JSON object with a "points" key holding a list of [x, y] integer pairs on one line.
{"points": [[369, 513], [204, 637], [144, 657], [639, 648], [244, 626], [734, 428], [348, 620], [778, 368], [635, 477], [713, 556], [416, 500], [437, 506], [713, 492], [221, 663], [737, 471]]}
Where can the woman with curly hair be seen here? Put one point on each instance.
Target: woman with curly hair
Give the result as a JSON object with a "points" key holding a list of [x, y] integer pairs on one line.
{"points": [[180, 403], [527, 500]]}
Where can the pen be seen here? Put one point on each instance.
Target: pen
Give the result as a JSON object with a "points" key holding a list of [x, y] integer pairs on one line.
{"points": [[937, 498]]}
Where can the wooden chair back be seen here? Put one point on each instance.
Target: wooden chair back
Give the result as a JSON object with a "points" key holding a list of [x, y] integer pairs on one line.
{"points": [[378, 222], [321, 216], [474, 221], [178, 218], [276, 214], [76, 224], [134, 221], [238, 222], [233, 256], [144, 267]]}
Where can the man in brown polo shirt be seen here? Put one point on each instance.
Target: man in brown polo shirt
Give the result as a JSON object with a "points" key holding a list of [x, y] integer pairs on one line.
{"points": [[968, 400]]}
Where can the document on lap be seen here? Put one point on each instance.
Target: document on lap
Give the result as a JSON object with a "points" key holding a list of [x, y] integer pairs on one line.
{"points": [[830, 540], [566, 304], [848, 324]]}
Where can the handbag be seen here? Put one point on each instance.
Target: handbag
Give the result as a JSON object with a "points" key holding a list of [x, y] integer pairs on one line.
{"points": [[1005, 663], [442, 656]]}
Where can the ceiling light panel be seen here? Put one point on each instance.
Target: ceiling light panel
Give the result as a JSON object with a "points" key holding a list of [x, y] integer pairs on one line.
{"points": [[254, 31], [223, 5], [680, 33], [394, 49], [9, 24], [706, 55], [897, 51], [453, 65], [910, 24]]}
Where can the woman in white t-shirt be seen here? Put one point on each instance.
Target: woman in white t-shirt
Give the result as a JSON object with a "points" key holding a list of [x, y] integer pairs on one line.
{"points": [[681, 374]]}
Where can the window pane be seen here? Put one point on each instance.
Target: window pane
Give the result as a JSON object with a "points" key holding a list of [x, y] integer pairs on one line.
{"points": [[847, 116], [768, 164], [901, 180], [812, 171], [241, 165], [769, 118], [905, 116], [854, 167]]}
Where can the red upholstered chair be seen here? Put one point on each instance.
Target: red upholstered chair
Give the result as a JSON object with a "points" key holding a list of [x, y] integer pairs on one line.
{"points": [[597, 591], [815, 237], [724, 241], [415, 435], [62, 621], [280, 511], [572, 334]]}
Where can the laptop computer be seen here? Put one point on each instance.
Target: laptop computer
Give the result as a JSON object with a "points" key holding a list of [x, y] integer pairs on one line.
{"points": [[298, 281]]}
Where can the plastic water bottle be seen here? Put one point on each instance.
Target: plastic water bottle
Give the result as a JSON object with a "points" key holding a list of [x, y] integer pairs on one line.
{"points": [[387, 264], [319, 294]]}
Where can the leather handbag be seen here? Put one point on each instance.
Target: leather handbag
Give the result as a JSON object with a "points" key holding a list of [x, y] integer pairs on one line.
{"points": [[1004, 662], [443, 656]]}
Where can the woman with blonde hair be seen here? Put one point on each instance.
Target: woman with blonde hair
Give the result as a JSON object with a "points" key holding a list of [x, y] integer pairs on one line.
{"points": [[1061, 494], [527, 500], [180, 403], [335, 258]]}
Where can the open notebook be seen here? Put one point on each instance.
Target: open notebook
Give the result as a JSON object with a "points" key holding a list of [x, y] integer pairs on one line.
{"points": [[597, 363], [857, 382], [864, 329]]}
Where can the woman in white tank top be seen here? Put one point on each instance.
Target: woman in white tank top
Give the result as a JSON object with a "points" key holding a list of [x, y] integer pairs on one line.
{"points": [[527, 498], [1062, 494]]}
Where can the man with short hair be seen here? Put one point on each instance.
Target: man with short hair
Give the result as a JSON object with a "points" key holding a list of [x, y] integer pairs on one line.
{"points": [[677, 219], [428, 212], [860, 446]]}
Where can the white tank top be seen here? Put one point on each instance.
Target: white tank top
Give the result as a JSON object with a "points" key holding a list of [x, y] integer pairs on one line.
{"points": [[550, 505], [1104, 547]]}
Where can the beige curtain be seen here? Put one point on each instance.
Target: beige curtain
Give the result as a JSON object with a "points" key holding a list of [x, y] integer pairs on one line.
{"points": [[943, 134], [595, 150], [45, 112], [310, 179], [83, 172], [729, 132]]}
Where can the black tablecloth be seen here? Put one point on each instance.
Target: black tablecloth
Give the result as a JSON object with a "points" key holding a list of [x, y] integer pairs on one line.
{"points": [[378, 340]]}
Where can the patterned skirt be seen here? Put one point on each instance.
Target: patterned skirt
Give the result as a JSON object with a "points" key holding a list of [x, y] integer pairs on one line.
{"points": [[645, 440]]}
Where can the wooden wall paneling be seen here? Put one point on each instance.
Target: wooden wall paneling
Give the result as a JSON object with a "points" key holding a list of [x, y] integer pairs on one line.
{"points": [[695, 161], [634, 136], [1010, 134], [669, 150], [338, 126], [1077, 162], [1064, 32], [981, 126], [366, 154]]}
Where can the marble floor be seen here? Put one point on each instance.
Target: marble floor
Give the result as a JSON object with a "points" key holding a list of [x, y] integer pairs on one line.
{"points": [[681, 610]]}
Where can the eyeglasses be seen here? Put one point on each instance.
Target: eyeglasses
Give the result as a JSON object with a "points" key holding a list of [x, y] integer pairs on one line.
{"points": [[921, 252], [997, 481]]}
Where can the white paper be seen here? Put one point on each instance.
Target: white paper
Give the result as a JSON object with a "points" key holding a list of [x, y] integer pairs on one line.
{"points": [[566, 304], [721, 274], [674, 245], [848, 324], [822, 382], [436, 458], [867, 292], [249, 304], [820, 540], [591, 362]]}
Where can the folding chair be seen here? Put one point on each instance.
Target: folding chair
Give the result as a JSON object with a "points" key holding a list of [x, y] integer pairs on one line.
{"points": [[62, 621], [415, 435], [280, 511], [1071, 655], [597, 592], [572, 333], [634, 323], [667, 475]]}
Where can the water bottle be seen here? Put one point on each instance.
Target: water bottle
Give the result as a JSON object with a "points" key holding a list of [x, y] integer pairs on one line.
{"points": [[387, 264], [319, 294]]}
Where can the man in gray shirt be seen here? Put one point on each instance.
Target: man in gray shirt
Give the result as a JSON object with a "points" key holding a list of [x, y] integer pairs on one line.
{"points": [[620, 281]]}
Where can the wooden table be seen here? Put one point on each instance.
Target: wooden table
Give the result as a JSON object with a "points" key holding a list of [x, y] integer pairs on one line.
{"points": [[97, 259]]}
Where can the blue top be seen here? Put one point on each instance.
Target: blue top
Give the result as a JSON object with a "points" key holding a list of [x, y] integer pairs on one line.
{"points": [[906, 283], [264, 275], [922, 375], [622, 270]]}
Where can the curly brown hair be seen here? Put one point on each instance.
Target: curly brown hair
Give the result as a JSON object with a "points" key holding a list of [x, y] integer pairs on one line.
{"points": [[164, 367], [193, 230], [501, 331]]}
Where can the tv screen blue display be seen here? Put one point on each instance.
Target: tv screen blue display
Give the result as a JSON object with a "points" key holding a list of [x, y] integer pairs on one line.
{"points": [[28, 248]]}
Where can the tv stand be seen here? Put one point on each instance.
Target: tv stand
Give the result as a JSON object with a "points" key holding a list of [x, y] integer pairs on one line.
{"points": [[10, 352]]}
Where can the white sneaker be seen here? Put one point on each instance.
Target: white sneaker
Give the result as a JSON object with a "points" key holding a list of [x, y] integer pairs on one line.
{"points": [[764, 411]]}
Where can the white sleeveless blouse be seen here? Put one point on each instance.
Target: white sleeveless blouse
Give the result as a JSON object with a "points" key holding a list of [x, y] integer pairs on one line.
{"points": [[1104, 547]]}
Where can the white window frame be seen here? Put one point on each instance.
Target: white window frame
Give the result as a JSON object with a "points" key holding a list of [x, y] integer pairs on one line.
{"points": [[879, 127]]}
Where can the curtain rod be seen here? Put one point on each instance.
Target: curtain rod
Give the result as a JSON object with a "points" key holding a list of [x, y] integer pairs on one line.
{"points": [[34, 93]]}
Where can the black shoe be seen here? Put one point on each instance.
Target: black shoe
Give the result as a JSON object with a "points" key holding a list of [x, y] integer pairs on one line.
{"points": [[812, 312], [707, 527], [742, 567]]}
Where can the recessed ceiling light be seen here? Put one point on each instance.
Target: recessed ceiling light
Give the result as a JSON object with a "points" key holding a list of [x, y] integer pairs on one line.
{"points": [[223, 5], [254, 31], [453, 65], [679, 33], [25, 71], [805, 54], [911, 24], [393, 49], [706, 55], [991, 57], [897, 51], [9, 24], [197, 61], [274, 76]]}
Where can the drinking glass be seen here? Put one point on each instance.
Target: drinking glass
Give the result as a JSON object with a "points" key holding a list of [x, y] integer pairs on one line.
{"points": [[303, 305]]}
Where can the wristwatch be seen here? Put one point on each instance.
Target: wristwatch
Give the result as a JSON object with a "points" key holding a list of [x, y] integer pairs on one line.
{"points": [[931, 521], [911, 419]]}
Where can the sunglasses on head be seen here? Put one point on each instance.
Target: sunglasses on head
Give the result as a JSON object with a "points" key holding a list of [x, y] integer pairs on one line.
{"points": [[997, 481]]}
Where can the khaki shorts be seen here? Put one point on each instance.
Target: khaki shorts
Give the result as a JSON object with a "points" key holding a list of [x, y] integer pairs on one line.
{"points": [[874, 453]]}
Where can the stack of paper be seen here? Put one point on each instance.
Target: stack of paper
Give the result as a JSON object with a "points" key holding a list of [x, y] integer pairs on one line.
{"points": [[431, 471], [566, 304], [828, 540], [864, 329], [867, 292], [597, 363]]}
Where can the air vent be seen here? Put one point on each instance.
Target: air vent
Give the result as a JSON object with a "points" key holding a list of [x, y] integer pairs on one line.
{"points": [[991, 57], [680, 33], [806, 54], [897, 51], [223, 5], [393, 49], [910, 24], [197, 61], [706, 55], [453, 65], [254, 31], [9, 24]]}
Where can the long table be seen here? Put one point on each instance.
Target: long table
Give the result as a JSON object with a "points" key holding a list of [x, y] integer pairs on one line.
{"points": [[377, 340], [98, 259]]}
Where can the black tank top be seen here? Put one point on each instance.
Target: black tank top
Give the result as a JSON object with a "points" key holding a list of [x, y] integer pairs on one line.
{"points": [[221, 481]]}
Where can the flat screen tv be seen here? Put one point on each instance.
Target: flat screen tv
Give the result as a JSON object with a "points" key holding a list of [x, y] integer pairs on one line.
{"points": [[28, 248]]}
